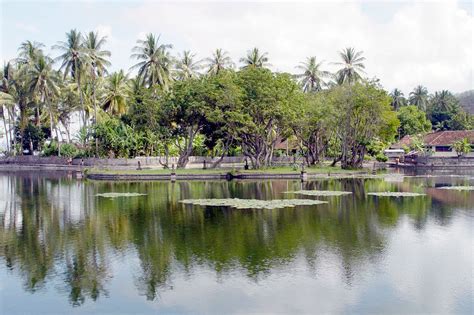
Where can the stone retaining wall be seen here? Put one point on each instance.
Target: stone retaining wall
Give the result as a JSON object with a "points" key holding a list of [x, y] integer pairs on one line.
{"points": [[145, 162], [444, 162]]}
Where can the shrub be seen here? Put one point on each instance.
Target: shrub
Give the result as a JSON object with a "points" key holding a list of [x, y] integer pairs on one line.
{"points": [[381, 157], [69, 150]]}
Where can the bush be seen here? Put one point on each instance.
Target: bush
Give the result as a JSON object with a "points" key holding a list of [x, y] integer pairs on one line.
{"points": [[50, 149], [69, 150], [381, 157]]}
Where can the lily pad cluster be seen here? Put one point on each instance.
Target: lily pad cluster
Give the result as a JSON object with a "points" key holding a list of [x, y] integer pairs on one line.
{"points": [[323, 193], [395, 194], [457, 188], [117, 195], [252, 203]]}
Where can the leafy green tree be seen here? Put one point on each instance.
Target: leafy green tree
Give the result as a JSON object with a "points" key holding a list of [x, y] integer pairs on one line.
{"points": [[311, 126], [462, 147], [265, 113], [312, 76], [186, 109], [417, 144], [352, 66], [219, 61], [255, 59], [362, 112], [154, 61], [419, 97], [398, 100], [412, 121]]}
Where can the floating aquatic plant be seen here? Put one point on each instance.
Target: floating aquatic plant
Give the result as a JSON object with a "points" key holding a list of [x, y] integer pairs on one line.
{"points": [[457, 187], [117, 195], [395, 194], [326, 193], [252, 203]]}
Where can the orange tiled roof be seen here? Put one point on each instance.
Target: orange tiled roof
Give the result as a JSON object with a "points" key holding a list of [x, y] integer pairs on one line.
{"points": [[440, 138]]}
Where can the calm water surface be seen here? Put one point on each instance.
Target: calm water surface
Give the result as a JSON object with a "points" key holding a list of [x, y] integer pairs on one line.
{"points": [[64, 250]]}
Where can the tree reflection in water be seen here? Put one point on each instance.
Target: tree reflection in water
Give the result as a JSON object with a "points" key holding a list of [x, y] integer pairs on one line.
{"points": [[53, 227]]}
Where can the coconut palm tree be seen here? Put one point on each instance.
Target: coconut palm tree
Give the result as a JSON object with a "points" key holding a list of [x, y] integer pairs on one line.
{"points": [[419, 97], [97, 66], [187, 67], [43, 83], [73, 59], [444, 101], [116, 91], [154, 66], [29, 51], [312, 77], [219, 61], [255, 59], [7, 103], [352, 66], [98, 56], [398, 99]]}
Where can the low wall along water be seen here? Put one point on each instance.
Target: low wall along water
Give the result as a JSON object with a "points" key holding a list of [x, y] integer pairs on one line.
{"points": [[145, 162]]}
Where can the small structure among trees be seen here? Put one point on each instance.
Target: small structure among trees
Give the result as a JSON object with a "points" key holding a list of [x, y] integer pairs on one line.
{"points": [[441, 143]]}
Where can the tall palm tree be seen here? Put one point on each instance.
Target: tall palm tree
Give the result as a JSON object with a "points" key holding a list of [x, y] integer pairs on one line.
{"points": [[97, 66], [443, 100], [44, 85], [219, 61], [398, 99], [352, 66], [255, 59], [98, 56], [116, 91], [155, 61], [29, 51], [187, 67], [73, 59], [312, 77], [7, 102], [419, 97]]}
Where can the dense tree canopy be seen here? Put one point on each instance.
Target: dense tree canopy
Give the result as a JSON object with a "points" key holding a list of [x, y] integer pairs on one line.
{"points": [[182, 105]]}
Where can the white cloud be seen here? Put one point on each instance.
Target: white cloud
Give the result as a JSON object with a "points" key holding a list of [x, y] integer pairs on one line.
{"points": [[105, 30], [26, 27], [429, 43]]}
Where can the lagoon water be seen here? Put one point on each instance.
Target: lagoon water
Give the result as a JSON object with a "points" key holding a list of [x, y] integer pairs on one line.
{"points": [[65, 250]]}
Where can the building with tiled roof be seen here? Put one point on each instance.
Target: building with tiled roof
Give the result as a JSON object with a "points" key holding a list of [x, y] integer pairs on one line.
{"points": [[440, 143]]}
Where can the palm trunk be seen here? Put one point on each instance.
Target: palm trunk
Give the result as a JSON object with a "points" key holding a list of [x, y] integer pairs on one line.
{"points": [[7, 132], [95, 120]]}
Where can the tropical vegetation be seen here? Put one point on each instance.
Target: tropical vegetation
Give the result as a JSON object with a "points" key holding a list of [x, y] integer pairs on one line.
{"points": [[181, 105]]}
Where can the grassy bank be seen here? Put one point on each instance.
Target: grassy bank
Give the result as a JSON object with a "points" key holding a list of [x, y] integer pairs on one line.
{"points": [[193, 171]]}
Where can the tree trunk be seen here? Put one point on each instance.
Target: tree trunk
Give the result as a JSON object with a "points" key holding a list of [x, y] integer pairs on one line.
{"points": [[95, 118], [7, 131]]}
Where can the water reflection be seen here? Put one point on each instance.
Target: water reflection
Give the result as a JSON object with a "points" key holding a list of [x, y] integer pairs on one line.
{"points": [[56, 233]]}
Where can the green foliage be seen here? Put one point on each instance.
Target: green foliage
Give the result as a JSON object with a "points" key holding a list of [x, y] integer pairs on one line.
{"points": [[417, 144], [269, 103], [50, 149], [362, 112], [445, 113], [117, 139], [69, 150], [462, 146], [412, 121]]}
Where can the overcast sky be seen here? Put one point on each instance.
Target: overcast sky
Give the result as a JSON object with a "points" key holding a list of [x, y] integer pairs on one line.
{"points": [[405, 43]]}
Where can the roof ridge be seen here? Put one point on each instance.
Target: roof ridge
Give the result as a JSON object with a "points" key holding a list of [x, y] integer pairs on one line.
{"points": [[440, 134]]}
